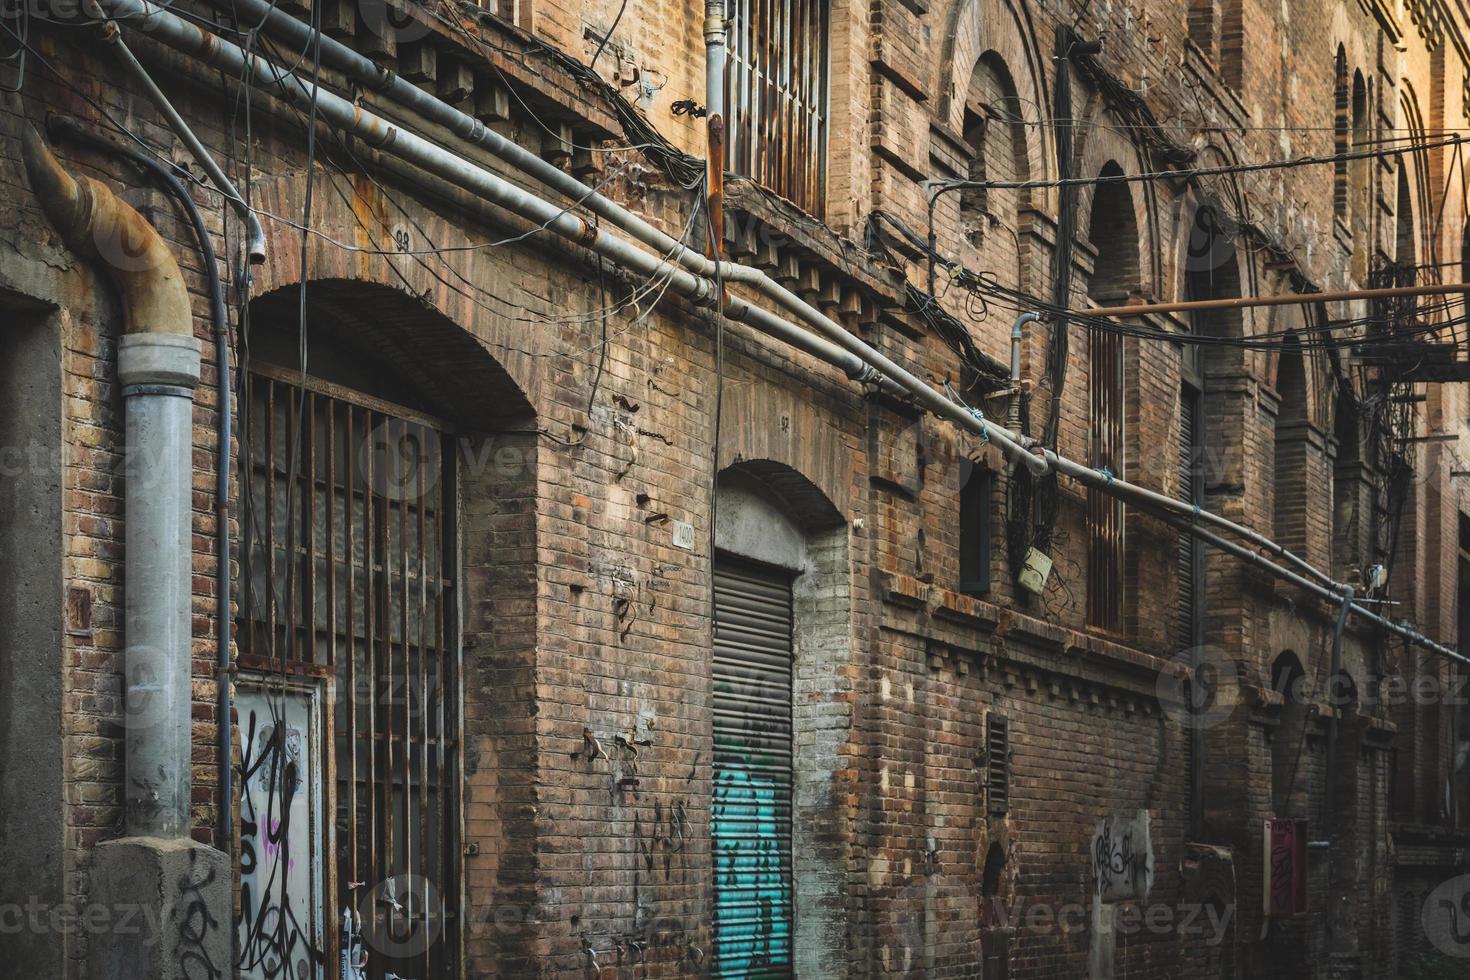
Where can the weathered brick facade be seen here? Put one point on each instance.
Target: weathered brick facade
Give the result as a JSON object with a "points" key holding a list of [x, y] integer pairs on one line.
{"points": [[592, 426]]}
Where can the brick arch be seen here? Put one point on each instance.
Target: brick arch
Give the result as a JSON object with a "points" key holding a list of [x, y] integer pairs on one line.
{"points": [[1413, 185], [804, 501], [1002, 29], [425, 358], [1103, 144], [449, 292]]}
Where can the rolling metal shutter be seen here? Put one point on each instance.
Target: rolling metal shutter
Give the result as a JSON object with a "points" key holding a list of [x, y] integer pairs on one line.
{"points": [[751, 815]]}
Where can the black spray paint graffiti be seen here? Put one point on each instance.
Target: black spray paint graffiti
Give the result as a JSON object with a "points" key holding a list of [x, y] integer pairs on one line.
{"points": [[273, 940], [196, 923], [1122, 857]]}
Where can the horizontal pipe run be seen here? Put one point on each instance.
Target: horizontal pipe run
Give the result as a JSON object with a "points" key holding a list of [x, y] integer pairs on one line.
{"points": [[374, 77], [254, 233], [1283, 299], [1141, 495], [835, 345], [1334, 598], [379, 133]]}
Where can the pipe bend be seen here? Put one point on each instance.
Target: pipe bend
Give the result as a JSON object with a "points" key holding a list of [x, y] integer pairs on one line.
{"points": [[97, 224]]}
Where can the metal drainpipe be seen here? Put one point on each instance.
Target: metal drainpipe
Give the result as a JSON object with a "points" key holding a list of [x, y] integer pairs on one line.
{"points": [[1014, 421], [158, 365], [70, 128], [714, 99], [1329, 766], [254, 233]]}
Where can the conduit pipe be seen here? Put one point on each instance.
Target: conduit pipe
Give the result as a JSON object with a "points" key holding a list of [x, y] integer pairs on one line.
{"points": [[373, 76], [859, 361], [68, 127], [254, 233], [840, 348], [158, 365], [1339, 598]]}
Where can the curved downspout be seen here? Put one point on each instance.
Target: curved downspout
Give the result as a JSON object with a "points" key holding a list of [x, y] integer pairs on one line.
{"points": [[72, 128], [158, 366]]}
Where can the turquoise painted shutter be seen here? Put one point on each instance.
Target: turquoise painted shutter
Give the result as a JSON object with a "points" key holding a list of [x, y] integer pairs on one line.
{"points": [[751, 815]]}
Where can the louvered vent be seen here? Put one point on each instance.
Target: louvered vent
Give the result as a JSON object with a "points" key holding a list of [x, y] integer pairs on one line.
{"points": [[997, 763]]}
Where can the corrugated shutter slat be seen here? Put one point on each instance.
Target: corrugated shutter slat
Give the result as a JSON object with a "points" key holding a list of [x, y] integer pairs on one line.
{"points": [[751, 817]]}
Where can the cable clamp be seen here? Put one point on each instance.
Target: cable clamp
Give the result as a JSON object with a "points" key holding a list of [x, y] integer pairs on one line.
{"points": [[979, 416]]}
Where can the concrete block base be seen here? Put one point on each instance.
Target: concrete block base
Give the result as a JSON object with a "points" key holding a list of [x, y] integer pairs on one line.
{"points": [[177, 894]]}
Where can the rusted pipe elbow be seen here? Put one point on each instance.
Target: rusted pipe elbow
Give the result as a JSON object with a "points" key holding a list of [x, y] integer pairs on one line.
{"points": [[96, 224]]}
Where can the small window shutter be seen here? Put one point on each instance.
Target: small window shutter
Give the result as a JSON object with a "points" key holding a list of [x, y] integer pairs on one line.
{"points": [[997, 764], [976, 499]]}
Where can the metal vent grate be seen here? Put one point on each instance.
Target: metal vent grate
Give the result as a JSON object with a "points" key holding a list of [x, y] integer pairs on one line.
{"points": [[997, 764]]}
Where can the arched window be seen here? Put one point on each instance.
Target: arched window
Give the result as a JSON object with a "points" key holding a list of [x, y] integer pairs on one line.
{"points": [[1405, 253], [1340, 109], [1359, 171], [1113, 232], [1291, 447], [1232, 44], [996, 135], [349, 691], [1217, 29]]}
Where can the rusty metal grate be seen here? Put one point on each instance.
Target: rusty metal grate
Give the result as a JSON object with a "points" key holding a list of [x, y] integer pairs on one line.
{"points": [[777, 97], [348, 574], [997, 764], [1104, 511]]}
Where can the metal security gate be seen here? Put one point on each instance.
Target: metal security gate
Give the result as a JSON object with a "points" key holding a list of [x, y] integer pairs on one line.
{"points": [[348, 513], [751, 815]]}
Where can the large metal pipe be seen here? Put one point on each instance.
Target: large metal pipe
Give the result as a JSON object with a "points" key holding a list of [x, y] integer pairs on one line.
{"points": [[865, 362], [380, 133], [158, 365], [254, 233], [71, 128], [714, 107]]}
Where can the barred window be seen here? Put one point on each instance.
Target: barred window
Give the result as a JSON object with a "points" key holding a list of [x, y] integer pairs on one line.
{"points": [[349, 685], [777, 97]]}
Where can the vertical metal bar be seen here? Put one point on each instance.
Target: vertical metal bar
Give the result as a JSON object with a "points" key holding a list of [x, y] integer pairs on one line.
{"points": [[377, 827], [400, 446], [348, 468], [453, 807], [308, 502], [293, 500], [270, 513], [422, 702], [441, 645]]}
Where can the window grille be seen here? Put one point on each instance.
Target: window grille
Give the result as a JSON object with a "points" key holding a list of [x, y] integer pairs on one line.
{"points": [[348, 577], [997, 764], [777, 97]]}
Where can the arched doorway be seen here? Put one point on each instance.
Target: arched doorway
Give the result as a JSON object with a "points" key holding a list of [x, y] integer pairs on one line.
{"points": [[350, 692], [781, 632]]}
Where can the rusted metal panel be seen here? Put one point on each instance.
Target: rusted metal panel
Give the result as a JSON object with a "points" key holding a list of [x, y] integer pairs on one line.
{"points": [[776, 96]]}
